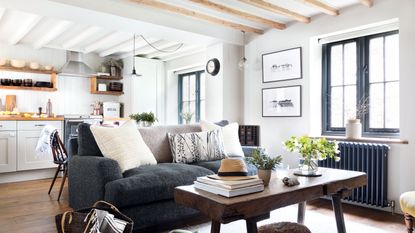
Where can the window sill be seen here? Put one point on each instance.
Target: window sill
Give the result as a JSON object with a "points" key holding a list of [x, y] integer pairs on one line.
{"points": [[366, 139]]}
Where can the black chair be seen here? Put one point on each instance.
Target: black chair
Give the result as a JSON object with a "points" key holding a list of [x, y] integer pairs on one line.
{"points": [[60, 157]]}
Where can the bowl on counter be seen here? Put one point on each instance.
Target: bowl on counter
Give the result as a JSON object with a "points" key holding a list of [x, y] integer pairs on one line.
{"points": [[17, 82], [18, 63], [5, 81], [27, 82], [3, 62], [48, 67], [34, 65]]}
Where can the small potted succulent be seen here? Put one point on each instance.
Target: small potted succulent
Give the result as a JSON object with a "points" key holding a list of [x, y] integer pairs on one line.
{"points": [[146, 119], [311, 150], [264, 164]]}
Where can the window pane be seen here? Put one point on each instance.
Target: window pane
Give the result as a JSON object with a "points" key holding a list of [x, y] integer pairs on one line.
{"points": [[336, 104], [202, 110], [192, 87], [185, 88], [392, 105], [185, 106], [350, 69], [202, 86], [349, 103], [336, 65], [376, 105], [192, 109], [392, 57], [376, 60]]}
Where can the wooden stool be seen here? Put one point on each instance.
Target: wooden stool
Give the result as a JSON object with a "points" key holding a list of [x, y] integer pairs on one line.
{"points": [[407, 201], [283, 227]]}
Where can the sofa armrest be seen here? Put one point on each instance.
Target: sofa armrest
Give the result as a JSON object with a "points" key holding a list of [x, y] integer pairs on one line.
{"points": [[87, 176], [248, 150]]}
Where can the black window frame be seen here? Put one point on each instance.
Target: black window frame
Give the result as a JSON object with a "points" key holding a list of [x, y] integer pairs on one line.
{"points": [[362, 83], [197, 90]]}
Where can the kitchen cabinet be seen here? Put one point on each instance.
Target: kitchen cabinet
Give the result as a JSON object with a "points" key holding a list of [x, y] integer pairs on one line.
{"points": [[8, 146], [28, 135]]}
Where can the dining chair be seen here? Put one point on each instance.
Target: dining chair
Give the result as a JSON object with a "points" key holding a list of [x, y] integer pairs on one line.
{"points": [[60, 157], [407, 201]]}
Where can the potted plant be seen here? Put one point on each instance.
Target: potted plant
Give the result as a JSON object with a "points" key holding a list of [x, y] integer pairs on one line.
{"points": [[353, 125], [146, 119], [187, 116], [264, 164], [311, 150]]}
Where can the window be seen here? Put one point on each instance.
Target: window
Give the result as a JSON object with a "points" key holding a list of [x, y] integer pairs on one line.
{"points": [[192, 95], [358, 71]]}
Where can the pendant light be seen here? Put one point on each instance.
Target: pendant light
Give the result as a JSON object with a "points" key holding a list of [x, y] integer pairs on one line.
{"points": [[134, 72], [242, 62]]}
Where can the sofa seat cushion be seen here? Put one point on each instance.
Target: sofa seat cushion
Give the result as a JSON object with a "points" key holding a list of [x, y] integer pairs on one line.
{"points": [[214, 166], [150, 183]]}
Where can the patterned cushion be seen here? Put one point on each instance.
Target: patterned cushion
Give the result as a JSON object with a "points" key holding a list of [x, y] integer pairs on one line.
{"points": [[198, 146]]}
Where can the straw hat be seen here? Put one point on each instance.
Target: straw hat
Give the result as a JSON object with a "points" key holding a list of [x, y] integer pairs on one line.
{"points": [[232, 169]]}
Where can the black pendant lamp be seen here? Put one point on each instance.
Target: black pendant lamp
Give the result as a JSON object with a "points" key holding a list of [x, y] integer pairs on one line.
{"points": [[134, 72]]}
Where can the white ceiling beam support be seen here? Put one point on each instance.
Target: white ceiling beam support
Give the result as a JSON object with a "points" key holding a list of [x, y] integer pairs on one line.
{"points": [[368, 3], [27, 25], [81, 37], [127, 46], [104, 41], [2, 12], [52, 34], [183, 54]]}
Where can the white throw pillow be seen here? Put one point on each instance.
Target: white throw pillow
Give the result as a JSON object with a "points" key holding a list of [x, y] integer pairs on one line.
{"points": [[230, 137], [123, 144]]}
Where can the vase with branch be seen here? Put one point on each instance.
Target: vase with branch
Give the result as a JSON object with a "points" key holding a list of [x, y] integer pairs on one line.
{"points": [[354, 125], [187, 116]]}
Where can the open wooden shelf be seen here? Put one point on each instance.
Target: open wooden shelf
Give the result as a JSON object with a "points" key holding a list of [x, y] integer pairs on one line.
{"points": [[27, 70], [109, 77], [118, 93], [29, 88]]}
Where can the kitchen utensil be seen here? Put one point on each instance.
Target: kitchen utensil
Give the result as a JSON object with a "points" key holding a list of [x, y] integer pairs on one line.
{"points": [[34, 65], [43, 84], [10, 102], [5, 81], [47, 67], [27, 82], [18, 63], [49, 108], [3, 62], [17, 82]]}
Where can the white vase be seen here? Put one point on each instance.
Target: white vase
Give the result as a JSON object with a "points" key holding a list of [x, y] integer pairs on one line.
{"points": [[353, 129]]}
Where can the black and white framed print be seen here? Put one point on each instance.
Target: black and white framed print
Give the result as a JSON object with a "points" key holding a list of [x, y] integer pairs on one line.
{"points": [[281, 65], [281, 101]]}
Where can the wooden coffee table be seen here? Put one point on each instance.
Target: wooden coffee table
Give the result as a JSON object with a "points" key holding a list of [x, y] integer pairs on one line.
{"points": [[256, 207]]}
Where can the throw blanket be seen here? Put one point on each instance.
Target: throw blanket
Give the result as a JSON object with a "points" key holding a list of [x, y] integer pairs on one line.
{"points": [[43, 147]]}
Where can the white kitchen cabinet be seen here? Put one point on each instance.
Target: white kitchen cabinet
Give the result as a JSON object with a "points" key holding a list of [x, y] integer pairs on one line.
{"points": [[27, 137], [7, 151]]}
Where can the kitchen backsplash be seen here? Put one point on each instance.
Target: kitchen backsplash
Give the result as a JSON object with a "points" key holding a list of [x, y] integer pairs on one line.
{"points": [[73, 95]]}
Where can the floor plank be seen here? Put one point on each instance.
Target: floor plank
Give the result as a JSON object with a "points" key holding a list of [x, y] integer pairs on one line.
{"points": [[27, 207]]}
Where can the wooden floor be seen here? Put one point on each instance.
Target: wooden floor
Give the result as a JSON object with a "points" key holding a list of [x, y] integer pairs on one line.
{"points": [[26, 207]]}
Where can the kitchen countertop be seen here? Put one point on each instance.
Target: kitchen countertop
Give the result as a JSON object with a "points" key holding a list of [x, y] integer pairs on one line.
{"points": [[20, 118]]}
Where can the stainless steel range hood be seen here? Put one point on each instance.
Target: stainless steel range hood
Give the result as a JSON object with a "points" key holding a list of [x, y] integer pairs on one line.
{"points": [[75, 66]]}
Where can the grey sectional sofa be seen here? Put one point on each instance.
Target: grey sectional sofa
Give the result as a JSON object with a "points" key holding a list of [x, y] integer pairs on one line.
{"points": [[145, 194]]}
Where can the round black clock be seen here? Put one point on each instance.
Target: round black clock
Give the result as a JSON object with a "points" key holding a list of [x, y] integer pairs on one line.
{"points": [[213, 66]]}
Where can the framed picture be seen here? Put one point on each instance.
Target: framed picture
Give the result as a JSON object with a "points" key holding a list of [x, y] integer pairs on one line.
{"points": [[281, 65], [281, 101]]}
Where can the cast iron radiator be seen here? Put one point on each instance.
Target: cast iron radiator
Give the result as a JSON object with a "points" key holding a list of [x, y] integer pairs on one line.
{"points": [[365, 157]]}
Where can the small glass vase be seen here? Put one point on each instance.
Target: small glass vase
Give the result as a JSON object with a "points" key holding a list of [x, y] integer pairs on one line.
{"points": [[308, 167]]}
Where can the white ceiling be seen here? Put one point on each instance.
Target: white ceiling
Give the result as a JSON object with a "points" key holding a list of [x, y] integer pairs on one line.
{"points": [[106, 27]]}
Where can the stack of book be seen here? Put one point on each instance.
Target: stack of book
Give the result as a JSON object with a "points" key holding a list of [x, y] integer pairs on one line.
{"points": [[229, 188]]}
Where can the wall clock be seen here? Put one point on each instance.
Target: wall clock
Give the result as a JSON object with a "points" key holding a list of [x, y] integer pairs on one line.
{"points": [[213, 66]]}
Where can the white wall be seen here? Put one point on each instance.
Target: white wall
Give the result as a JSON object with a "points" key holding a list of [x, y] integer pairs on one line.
{"points": [[73, 95], [275, 130]]}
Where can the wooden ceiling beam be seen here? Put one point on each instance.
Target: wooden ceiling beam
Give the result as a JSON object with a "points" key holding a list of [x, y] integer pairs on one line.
{"points": [[241, 14], [322, 7], [197, 15], [368, 3], [277, 9]]}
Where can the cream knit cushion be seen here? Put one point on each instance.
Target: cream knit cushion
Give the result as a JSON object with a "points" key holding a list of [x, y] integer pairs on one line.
{"points": [[123, 144], [230, 137]]}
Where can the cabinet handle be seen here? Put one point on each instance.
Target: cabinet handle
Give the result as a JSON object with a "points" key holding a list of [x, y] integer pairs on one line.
{"points": [[40, 125]]}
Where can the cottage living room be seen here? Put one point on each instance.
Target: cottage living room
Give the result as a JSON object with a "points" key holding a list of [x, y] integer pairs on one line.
{"points": [[232, 116]]}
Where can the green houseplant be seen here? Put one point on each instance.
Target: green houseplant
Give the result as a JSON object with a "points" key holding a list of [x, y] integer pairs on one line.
{"points": [[264, 164], [311, 150], [146, 119]]}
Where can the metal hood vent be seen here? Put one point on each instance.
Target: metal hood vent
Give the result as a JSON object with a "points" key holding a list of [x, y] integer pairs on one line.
{"points": [[75, 66]]}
